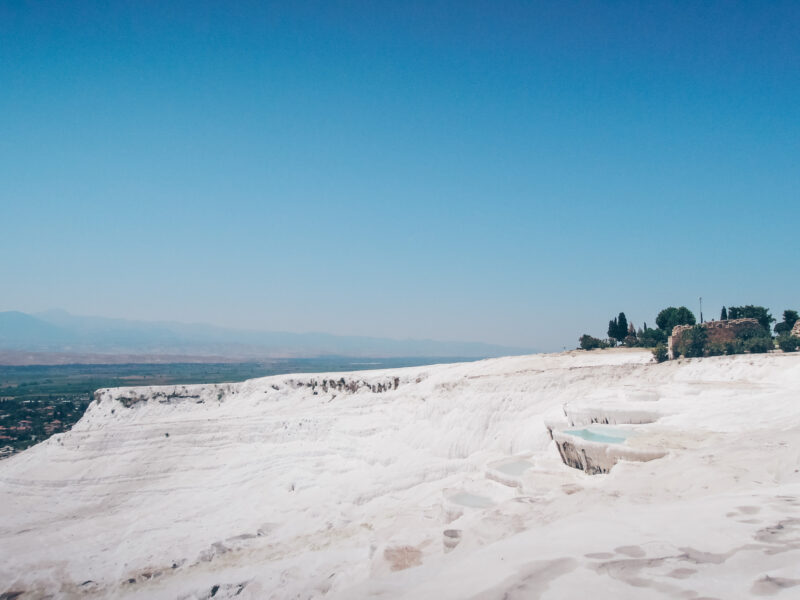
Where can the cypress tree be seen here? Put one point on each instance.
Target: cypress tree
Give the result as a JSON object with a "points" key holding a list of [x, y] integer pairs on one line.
{"points": [[724, 315], [622, 326], [612, 329]]}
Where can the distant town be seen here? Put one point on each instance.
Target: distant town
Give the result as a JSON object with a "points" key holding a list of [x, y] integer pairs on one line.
{"points": [[26, 422]]}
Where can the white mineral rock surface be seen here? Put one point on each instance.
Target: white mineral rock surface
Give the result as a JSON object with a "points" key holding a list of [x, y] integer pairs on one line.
{"points": [[343, 485]]}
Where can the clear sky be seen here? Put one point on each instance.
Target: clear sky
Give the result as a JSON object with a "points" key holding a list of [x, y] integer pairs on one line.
{"points": [[515, 173]]}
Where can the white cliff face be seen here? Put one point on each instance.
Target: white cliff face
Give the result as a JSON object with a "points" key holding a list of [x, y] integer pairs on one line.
{"points": [[428, 482]]}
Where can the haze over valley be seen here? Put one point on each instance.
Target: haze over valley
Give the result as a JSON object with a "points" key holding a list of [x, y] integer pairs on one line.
{"points": [[93, 339]]}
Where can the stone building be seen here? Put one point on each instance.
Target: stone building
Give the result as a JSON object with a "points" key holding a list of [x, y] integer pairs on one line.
{"points": [[717, 332], [796, 329]]}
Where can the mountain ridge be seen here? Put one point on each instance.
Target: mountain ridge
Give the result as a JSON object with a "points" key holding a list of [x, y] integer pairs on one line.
{"points": [[57, 331]]}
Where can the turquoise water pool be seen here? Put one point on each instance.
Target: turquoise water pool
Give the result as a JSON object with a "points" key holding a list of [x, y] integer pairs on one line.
{"points": [[606, 436]]}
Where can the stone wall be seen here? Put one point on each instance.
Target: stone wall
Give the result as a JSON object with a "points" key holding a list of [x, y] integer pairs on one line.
{"points": [[796, 329], [718, 332]]}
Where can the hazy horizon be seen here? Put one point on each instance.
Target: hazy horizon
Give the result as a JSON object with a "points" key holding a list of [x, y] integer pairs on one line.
{"points": [[57, 332], [447, 171]]}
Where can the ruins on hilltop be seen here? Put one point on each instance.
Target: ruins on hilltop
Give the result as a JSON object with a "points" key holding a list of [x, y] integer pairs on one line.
{"points": [[718, 332]]}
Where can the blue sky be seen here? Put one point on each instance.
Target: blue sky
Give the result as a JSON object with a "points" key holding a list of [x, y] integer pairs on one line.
{"points": [[515, 173]]}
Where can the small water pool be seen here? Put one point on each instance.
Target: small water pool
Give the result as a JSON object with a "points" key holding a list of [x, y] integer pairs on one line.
{"points": [[470, 500], [605, 435], [514, 468]]}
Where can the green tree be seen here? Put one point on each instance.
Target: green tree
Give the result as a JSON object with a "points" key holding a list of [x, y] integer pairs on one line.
{"points": [[759, 345], [618, 328], [724, 314], [649, 338], [622, 327], [790, 317], [671, 316], [759, 313], [788, 343], [660, 353], [754, 339], [694, 342], [588, 342], [612, 329]]}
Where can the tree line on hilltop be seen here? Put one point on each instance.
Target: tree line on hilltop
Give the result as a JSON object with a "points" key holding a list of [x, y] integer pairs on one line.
{"points": [[695, 341]]}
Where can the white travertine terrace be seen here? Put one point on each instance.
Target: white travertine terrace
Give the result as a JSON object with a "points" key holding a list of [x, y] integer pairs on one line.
{"points": [[343, 485]]}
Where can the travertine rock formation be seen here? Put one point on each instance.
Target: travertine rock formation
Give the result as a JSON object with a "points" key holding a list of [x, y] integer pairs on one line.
{"points": [[428, 483]]}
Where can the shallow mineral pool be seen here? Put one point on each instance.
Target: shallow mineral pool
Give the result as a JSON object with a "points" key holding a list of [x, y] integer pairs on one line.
{"points": [[514, 468], [606, 435], [471, 500]]}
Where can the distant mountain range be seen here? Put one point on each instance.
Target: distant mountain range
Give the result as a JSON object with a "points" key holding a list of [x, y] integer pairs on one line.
{"points": [[57, 331]]}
